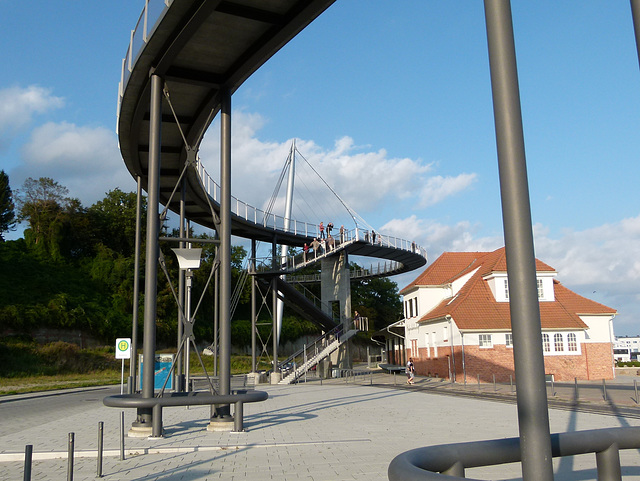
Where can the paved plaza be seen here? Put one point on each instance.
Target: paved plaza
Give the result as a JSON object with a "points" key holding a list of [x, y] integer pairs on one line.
{"points": [[336, 430]]}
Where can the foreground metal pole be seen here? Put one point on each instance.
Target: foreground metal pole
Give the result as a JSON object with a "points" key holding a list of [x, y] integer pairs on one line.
{"points": [[635, 12], [223, 412], [152, 250], [100, 448], [70, 456], [533, 416], [28, 456], [131, 384]]}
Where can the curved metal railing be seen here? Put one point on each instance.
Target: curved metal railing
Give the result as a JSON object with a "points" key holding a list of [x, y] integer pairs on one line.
{"points": [[151, 15], [276, 222], [449, 461]]}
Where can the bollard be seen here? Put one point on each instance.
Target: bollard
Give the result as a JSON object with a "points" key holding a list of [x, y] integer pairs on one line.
{"points": [[122, 436], [100, 447], [553, 388], [70, 457], [478, 382], [495, 388], [604, 389], [28, 456], [511, 381], [575, 395], [635, 388]]}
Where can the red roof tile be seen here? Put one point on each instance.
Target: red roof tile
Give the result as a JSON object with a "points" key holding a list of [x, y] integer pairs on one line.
{"points": [[474, 306]]}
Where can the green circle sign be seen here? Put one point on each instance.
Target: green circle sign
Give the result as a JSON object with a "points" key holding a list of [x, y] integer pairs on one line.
{"points": [[123, 348]]}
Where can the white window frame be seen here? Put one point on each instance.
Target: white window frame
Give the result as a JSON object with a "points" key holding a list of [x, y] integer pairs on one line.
{"points": [[485, 341], [540, 289], [435, 346], [508, 340]]}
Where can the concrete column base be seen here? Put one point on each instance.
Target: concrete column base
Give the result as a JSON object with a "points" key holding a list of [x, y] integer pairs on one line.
{"points": [[140, 432], [220, 426], [275, 377]]}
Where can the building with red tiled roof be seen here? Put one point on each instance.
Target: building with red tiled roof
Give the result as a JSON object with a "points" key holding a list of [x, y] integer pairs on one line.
{"points": [[457, 322]]}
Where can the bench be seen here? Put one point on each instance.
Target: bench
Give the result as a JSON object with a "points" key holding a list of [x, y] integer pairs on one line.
{"points": [[185, 399]]}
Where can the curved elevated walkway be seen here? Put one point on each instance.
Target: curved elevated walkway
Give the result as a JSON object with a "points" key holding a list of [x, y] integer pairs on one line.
{"points": [[201, 48]]}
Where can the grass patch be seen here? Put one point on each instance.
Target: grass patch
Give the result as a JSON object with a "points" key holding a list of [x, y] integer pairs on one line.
{"points": [[26, 366]]}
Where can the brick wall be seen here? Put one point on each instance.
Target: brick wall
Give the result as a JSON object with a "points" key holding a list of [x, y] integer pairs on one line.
{"points": [[594, 363]]}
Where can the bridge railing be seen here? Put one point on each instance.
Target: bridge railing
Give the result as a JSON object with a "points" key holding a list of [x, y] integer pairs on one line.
{"points": [[276, 222], [152, 13]]}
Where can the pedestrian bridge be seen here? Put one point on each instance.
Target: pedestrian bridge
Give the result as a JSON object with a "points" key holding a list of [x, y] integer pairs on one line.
{"points": [[202, 51]]}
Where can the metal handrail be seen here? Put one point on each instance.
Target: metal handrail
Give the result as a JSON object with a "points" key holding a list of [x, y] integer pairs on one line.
{"points": [[151, 15], [276, 222], [449, 461]]}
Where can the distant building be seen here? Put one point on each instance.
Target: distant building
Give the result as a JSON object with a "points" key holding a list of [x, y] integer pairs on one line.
{"points": [[457, 322], [626, 348]]}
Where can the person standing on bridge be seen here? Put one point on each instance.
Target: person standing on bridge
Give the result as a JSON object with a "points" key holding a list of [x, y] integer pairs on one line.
{"points": [[330, 242], [321, 228], [315, 245], [329, 228], [305, 249], [341, 234]]}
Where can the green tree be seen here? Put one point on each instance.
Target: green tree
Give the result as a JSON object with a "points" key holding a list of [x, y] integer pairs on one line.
{"points": [[44, 204], [377, 299], [7, 208], [114, 220]]}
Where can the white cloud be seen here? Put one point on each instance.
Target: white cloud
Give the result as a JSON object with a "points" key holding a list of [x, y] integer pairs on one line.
{"points": [[366, 180], [439, 188], [18, 106], [85, 160]]}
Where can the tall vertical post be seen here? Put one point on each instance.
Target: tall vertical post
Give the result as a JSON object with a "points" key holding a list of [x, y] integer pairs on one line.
{"points": [[254, 320], [131, 388], [144, 418], [216, 318], [275, 373], [635, 13], [223, 412], [180, 384], [533, 416]]}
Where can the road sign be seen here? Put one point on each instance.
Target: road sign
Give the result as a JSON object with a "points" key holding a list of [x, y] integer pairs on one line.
{"points": [[123, 348]]}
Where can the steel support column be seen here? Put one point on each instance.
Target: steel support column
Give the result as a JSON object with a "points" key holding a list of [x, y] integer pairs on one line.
{"points": [[223, 412], [131, 385], [152, 249], [180, 385], [533, 413], [254, 314]]}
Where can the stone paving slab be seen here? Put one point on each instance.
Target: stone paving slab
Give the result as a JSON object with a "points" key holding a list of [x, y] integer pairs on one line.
{"points": [[327, 432]]}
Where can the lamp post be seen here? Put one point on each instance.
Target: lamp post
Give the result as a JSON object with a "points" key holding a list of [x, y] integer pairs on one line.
{"points": [[188, 261]]}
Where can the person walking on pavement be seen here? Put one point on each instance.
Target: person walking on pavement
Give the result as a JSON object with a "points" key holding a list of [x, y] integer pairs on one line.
{"points": [[411, 371]]}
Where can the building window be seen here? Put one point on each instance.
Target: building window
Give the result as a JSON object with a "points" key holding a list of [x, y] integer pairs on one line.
{"points": [[506, 289], [414, 348], [572, 342], [435, 345], [508, 339], [546, 345], [540, 289], [558, 342], [410, 308], [445, 333], [426, 336], [415, 305], [484, 340]]}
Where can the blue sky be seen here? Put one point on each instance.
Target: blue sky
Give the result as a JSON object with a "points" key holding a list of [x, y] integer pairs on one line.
{"points": [[391, 103]]}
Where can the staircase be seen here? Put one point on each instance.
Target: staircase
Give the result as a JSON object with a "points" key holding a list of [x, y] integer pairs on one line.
{"points": [[321, 349]]}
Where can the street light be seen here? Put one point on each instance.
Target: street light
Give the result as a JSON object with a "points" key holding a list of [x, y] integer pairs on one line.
{"points": [[188, 260]]}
